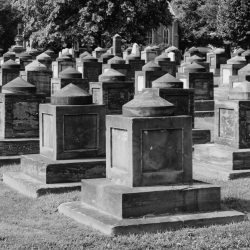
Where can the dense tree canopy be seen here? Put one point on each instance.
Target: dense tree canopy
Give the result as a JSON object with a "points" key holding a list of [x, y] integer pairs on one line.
{"points": [[233, 22], [59, 22], [9, 18]]}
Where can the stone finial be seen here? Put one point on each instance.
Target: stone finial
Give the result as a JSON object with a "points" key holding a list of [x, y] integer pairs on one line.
{"points": [[165, 81], [148, 104], [136, 50], [66, 53], [69, 73], [84, 54], [63, 59], [89, 59], [151, 66], [194, 68], [19, 86], [25, 55], [193, 49], [35, 66], [10, 64], [43, 57], [241, 92], [237, 60], [112, 75], [171, 49], [71, 95], [162, 58], [195, 58], [116, 60]]}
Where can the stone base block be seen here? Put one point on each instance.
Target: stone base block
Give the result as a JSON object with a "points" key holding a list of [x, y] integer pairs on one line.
{"points": [[221, 93], [110, 225], [34, 188], [9, 160], [204, 105], [62, 171], [201, 136], [221, 162], [19, 146]]}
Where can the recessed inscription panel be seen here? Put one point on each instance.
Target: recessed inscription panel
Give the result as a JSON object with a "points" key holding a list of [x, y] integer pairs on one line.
{"points": [[55, 71], [119, 149], [201, 88], [96, 95], [117, 98], [140, 83], [182, 103], [226, 125], [225, 76], [55, 87], [47, 131], [162, 150], [212, 61], [93, 73], [80, 132]]}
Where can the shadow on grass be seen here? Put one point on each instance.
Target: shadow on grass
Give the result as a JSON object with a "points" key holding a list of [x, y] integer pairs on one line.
{"points": [[240, 205]]}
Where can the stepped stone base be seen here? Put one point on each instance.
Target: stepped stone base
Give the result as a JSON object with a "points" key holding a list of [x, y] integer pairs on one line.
{"points": [[34, 188], [19, 146], [221, 162], [9, 160], [201, 136], [62, 171]]}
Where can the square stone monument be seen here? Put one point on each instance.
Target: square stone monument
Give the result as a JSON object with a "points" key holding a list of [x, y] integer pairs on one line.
{"points": [[52, 54], [10, 70], [98, 52], [191, 52], [24, 59], [149, 185], [174, 54], [148, 54], [72, 145], [112, 90], [105, 57], [9, 56], [243, 75], [61, 64], [229, 156], [166, 65], [34, 53], [46, 60]]}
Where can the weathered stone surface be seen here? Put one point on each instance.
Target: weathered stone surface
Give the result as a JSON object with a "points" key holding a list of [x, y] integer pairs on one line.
{"points": [[105, 57], [124, 69], [167, 81], [135, 63], [117, 46], [59, 66], [65, 171], [9, 71], [111, 75], [148, 55], [194, 68], [36, 66], [98, 52], [90, 69], [240, 92], [151, 66], [9, 160], [234, 81], [70, 72], [9, 56], [201, 136]]}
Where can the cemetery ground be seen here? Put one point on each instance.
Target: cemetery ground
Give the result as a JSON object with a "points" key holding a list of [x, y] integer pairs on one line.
{"points": [[27, 223]]}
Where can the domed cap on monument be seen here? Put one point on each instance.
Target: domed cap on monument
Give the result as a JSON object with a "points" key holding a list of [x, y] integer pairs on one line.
{"points": [[19, 86], [71, 95], [193, 49], [99, 49], [151, 66], [69, 73], [111, 75], [237, 60], [64, 59], [219, 51], [89, 59], [35, 66], [107, 55], [10, 64], [25, 55], [162, 58], [9, 54], [66, 53], [148, 104], [116, 60], [44, 57], [84, 54], [241, 92], [194, 68], [239, 51], [246, 53], [18, 48], [195, 58], [171, 49], [165, 80]]}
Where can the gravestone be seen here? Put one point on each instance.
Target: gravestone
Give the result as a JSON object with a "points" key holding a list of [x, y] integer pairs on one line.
{"points": [[174, 54], [135, 63], [243, 75], [19, 119], [24, 59], [67, 76], [46, 60], [112, 90], [9, 71], [52, 54], [9, 56], [148, 54], [34, 53], [238, 52], [98, 52], [105, 57], [229, 156], [150, 72], [117, 46], [126, 53], [215, 59], [61, 64], [166, 65], [119, 64], [90, 68], [37, 74], [191, 52], [246, 54], [149, 175], [72, 146]]}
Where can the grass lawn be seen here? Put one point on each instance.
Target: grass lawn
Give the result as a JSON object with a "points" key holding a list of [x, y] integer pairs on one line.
{"points": [[27, 223]]}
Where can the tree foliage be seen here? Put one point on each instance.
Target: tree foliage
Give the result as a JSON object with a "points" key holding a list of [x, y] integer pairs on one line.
{"points": [[9, 18], [198, 22], [59, 22], [233, 22]]}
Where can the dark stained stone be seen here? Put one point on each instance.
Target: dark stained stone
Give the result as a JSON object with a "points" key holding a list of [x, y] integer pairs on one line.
{"points": [[133, 57], [129, 49], [194, 68], [167, 81], [71, 95], [18, 86], [33, 52], [10, 64], [116, 60], [241, 92], [111, 75], [9, 53], [70, 72], [147, 104], [151, 66], [89, 58]]}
